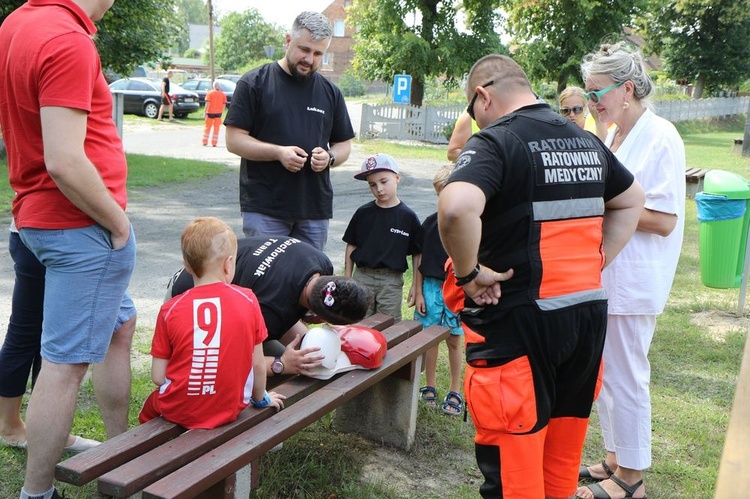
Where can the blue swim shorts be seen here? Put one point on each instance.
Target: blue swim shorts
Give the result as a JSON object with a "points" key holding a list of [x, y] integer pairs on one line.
{"points": [[436, 313]]}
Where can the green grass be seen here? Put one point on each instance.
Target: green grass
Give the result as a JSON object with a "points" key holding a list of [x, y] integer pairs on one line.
{"points": [[695, 358], [405, 150], [143, 171]]}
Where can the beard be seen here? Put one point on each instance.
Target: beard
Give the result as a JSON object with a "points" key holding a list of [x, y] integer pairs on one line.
{"points": [[299, 76]]}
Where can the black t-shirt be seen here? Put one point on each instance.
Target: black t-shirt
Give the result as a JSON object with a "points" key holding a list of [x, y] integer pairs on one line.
{"points": [[277, 269], [275, 107], [166, 85], [433, 253], [384, 236], [531, 150]]}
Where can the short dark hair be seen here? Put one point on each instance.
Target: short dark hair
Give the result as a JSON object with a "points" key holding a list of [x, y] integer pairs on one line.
{"points": [[339, 300]]}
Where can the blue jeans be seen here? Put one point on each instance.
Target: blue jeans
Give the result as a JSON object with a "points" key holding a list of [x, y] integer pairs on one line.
{"points": [[314, 232], [85, 296], [20, 352]]}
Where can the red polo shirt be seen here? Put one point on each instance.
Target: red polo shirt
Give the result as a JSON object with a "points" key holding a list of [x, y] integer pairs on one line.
{"points": [[49, 59]]}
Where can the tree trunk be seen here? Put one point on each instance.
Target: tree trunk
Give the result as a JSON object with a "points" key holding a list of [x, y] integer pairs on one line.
{"points": [[562, 81], [417, 91], [699, 83]]}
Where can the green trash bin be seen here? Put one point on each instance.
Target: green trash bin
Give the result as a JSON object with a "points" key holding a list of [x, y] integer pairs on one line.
{"points": [[724, 218]]}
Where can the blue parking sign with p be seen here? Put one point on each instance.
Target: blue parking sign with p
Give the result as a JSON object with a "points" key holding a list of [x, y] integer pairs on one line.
{"points": [[401, 89]]}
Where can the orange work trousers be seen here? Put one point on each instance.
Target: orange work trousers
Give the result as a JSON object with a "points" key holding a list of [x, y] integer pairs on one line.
{"points": [[211, 123]]}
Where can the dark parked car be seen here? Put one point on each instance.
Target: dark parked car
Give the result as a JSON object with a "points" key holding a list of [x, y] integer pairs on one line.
{"points": [[201, 86], [143, 96]]}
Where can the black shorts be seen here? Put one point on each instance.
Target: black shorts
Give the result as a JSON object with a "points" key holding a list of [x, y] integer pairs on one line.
{"points": [[166, 101]]}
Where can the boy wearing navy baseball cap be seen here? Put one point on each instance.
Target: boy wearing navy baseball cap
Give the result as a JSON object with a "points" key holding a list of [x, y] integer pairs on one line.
{"points": [[380, 235]]}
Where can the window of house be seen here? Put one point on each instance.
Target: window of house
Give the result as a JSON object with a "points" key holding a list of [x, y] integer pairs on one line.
{"points": [[328, 59], [338, 27]]}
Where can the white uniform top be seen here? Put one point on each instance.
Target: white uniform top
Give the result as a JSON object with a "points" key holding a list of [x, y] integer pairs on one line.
{"points": [[639, 279]]}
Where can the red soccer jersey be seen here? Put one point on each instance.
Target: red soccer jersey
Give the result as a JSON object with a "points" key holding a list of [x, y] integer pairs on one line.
{"points": [[208, 335]]}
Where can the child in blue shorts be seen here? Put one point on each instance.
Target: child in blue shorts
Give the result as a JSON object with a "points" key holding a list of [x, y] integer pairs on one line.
{"points": [[430, 309]]}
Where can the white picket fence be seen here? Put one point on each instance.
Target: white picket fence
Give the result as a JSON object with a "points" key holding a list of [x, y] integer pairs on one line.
{"points": [[428, 124]]}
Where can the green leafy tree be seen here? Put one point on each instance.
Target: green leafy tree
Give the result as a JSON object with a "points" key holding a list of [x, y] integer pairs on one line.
{"points": [[242, 38], [553, 35], [703, 42], [132, 31], [136, 31], [387, 45]]}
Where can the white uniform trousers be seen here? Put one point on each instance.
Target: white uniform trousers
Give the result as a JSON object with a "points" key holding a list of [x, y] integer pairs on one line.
{"points": [[624, 403]]}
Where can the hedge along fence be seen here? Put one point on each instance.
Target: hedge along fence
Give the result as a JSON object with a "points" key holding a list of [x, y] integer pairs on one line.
{"points": [[429, 124]]}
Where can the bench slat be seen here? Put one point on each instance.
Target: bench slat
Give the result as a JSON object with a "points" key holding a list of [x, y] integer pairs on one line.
{"points": [[136, 474], [226, 459], [82, 468], [86, 466]]}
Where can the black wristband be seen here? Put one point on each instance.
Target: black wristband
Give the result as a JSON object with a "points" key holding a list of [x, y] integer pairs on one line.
{"points": [[332, 158], [463, 281]]}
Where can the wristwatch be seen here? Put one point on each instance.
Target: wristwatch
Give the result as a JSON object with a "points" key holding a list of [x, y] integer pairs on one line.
{"points": [[333, 158], [277, 367]]}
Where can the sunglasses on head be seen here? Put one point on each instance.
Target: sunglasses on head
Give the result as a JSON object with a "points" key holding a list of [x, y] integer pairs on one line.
{"points": [[470, 107], [596, 96], [567, 110]]}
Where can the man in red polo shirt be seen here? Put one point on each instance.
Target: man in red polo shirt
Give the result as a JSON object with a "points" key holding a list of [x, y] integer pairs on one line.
{"points": [[68, 169]]}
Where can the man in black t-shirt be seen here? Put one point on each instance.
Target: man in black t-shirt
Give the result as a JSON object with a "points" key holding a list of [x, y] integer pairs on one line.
{"points": [[548, 205], [292, 281], [290, 125]]}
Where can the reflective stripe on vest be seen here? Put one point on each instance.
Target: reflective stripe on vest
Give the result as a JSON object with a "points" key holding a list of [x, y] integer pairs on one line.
{"points": [[563, 301], [568, 208]]}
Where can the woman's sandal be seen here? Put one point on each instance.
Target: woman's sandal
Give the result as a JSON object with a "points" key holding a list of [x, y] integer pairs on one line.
{"points": [[428, 394], [453, 404], [600, 493], [585, 474]]}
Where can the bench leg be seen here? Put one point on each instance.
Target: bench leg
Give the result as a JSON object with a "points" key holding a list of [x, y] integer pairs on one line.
{"points": [[386, 413], [235, 486]]}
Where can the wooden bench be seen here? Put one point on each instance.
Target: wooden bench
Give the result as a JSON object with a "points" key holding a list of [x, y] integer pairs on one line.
{"points": [[694, 181], [156, 457], [734, 470]]}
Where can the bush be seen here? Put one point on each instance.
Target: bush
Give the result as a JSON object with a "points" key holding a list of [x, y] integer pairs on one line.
{"points": [[351, 86], [448, 130], [192, 53]]}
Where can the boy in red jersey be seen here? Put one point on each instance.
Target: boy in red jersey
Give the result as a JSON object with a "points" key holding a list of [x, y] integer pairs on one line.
{"points": [[208, 339]]}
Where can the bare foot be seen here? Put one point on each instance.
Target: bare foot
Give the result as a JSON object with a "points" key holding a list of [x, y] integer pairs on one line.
{"points": [[14, 438], [598, 472]]}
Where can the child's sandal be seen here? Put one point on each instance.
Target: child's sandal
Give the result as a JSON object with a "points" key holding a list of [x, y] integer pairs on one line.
{"points": [[428, 394], [453, 405]]}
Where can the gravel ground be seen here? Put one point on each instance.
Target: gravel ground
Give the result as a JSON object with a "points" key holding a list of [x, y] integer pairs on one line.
{"points": [[159, 214]]}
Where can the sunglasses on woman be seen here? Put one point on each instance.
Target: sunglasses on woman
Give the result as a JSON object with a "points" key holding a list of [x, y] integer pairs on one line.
{"points": [[595, 97], [567, 110]]}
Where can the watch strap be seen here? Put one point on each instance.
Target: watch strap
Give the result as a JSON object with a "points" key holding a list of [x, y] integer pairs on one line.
{"points": [[463, 281]]}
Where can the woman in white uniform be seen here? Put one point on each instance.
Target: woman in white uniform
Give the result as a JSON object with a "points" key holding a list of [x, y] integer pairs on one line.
{"points": [[639, 280]]}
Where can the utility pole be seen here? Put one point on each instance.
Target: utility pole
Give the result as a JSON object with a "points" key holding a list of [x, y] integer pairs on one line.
{"points": [[210, 8]]}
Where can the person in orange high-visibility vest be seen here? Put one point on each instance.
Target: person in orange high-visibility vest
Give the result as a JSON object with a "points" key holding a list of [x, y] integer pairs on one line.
{"points": [[215, 102]]}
